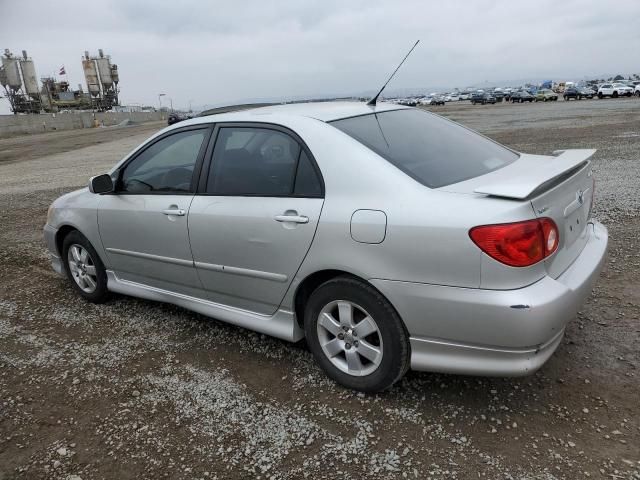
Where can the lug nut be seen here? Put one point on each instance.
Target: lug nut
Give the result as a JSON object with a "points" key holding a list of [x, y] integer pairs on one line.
{"points": [[347, 346], [341, 336], [355, 343]]}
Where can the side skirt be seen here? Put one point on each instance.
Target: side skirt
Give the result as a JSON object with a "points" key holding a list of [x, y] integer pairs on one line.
{"points": [[281, 324]]}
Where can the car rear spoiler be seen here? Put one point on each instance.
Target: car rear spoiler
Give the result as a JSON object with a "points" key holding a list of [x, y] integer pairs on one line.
{"points": [[532, 173]]}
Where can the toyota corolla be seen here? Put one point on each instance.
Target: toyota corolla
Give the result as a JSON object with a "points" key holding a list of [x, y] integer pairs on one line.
{"points": [[387, 237]]}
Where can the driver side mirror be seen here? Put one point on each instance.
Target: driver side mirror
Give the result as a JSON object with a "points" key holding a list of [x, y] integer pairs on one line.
{"points": [[101, 184]]}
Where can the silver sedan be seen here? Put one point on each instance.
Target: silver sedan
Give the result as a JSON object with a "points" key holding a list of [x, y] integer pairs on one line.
{"points": [[387, 237]]}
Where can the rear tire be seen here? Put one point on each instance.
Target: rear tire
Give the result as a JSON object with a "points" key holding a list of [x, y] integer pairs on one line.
{"points": [[615, 95], [84, 268], [356, 336]]}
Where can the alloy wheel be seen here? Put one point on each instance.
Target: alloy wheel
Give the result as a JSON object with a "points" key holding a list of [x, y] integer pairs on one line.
{"points": [[350, 338], [82, 268]]}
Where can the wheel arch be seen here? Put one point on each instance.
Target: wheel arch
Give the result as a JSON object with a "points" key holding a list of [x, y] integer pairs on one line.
{"points": [[61, 234], [312, 281], [66, 228]]}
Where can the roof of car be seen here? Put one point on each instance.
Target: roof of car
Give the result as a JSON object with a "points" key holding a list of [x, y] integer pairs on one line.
{"points": [[324, 111]]}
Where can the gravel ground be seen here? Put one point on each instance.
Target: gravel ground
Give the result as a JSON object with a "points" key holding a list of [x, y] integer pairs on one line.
{"points": [[135, 389]]}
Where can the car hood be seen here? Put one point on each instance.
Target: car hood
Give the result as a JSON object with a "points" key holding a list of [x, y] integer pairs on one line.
{"points": [[82, 198]]}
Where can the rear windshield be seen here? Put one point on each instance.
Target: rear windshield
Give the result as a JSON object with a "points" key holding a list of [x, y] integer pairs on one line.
{"points": [[432, 150]]}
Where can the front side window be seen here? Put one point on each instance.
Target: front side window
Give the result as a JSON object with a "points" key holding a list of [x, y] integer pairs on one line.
{"points": [[166, 166], [430, 149], [260, 162]]}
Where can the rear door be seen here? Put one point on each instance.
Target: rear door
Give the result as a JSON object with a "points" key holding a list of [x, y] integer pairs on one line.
{"points": [[255, 215]]}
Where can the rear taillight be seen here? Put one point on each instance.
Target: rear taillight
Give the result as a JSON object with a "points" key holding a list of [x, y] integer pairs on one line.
{"points": [[519, 244]]}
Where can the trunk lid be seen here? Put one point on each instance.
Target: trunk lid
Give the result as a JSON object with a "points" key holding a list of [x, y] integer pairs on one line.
{"points": [[567, 202], [559, 187]]}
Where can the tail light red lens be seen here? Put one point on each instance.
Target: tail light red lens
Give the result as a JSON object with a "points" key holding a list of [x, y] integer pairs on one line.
{"points": [[519, 244]]}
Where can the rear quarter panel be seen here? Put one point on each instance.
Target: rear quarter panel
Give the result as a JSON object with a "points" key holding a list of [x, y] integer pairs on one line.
{"points": [[426, 238]]}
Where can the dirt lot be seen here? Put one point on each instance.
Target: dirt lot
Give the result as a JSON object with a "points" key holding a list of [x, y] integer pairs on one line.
{"points": [[135, 389]]}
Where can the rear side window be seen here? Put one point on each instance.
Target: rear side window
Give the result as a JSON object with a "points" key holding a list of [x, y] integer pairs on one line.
{"points": [[261, 162], [428, 148], [307, 181]]}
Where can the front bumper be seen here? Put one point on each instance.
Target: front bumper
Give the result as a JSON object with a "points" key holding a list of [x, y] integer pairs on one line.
{"points": [[50, 241], [494, 332]]}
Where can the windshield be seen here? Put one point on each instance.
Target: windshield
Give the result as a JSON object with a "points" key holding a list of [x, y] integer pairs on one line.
{"points": [[430, 149]]}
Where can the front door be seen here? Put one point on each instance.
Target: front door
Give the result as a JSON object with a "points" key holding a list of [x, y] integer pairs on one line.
{"points": [[143, 225], [254, 221]]}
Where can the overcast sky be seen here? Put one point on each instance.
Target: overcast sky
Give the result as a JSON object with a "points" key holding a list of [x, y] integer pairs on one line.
{"points": [[219, 52]]}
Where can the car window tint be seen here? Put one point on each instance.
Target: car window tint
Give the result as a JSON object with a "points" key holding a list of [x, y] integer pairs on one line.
{"points": [[262, 163], [432, 150], [166, 166], [307, 181]]}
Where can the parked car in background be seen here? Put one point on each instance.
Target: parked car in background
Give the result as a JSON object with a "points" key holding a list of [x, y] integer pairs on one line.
{"points": [[251, 217], [407, 102], [637, 90], [587, 92], [572, 93], [433, 99], [498, 94], [521, 96], [464, 96], [614, 90], [175, 117], [546, 95], [482, 98]]}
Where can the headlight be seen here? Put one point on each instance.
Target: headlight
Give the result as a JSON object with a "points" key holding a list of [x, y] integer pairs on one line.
{"points": [[50, 213]]}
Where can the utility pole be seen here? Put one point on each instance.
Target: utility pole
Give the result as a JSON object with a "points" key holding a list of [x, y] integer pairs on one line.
{"points": [[160, 95]]}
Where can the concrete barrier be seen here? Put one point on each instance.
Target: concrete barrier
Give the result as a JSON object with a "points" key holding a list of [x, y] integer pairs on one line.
{"points": [[11, 125]]}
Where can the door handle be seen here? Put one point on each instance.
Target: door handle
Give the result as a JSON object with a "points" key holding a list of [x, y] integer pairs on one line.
{"points": [[175, 212], [291, 218]]}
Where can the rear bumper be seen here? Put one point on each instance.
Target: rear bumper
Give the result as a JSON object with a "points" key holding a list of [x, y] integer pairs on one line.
{"points": [[494, 332], [50, 241]]}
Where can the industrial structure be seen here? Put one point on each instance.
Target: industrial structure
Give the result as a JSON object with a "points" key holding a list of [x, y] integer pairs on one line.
{"points": [[20, 82], [102, 80], [18, 77]]}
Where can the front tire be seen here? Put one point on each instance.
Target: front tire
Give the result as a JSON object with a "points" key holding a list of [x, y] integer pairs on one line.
{"points": [[356, 336], [84, 268]]}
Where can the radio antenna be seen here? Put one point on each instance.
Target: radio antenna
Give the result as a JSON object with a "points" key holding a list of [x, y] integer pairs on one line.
{"points": [[373, 101]]}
